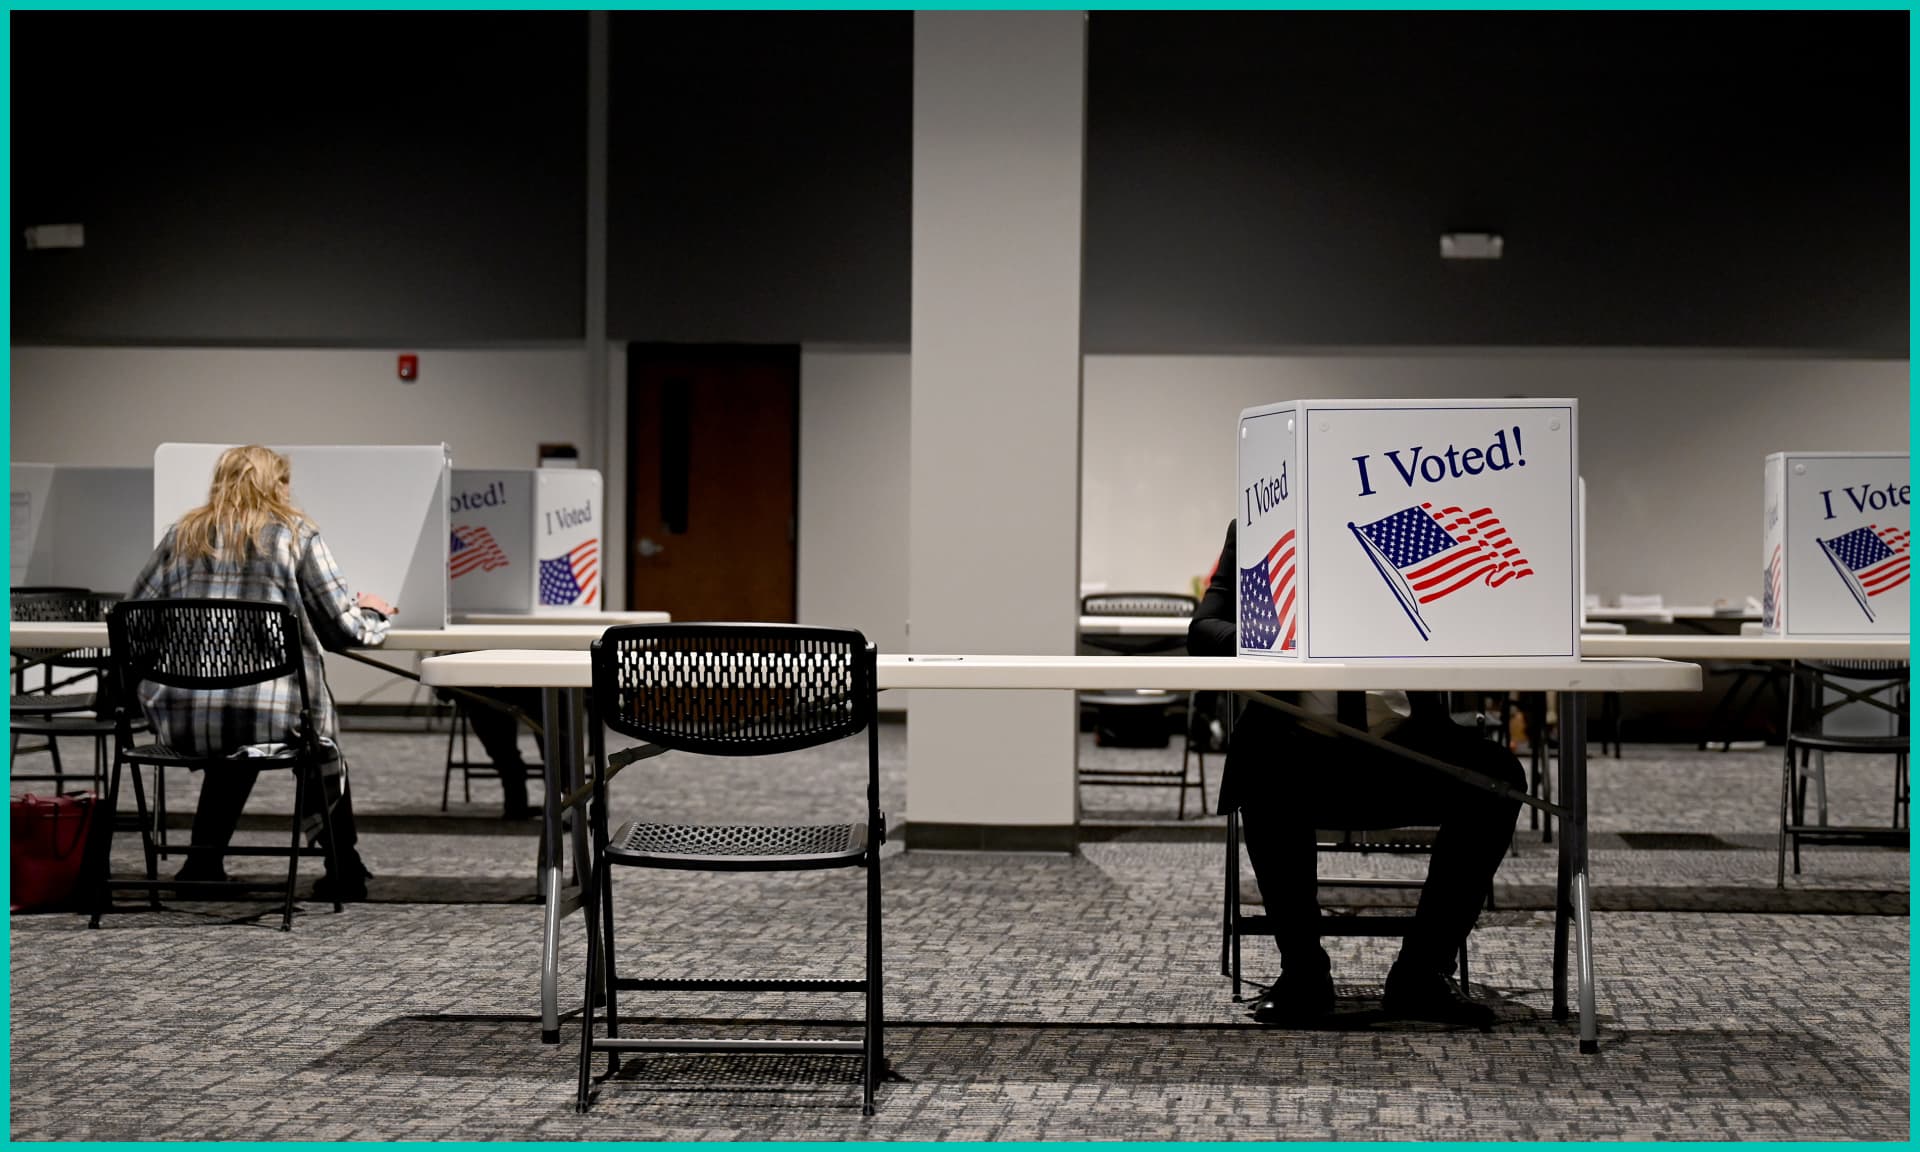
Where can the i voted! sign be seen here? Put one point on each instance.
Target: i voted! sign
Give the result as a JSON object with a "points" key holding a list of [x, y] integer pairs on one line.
{"points": [[1835, 546], [1409, 529]]}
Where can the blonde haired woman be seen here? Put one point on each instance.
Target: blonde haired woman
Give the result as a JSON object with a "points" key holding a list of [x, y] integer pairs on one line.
{"points": [[248, 542]]}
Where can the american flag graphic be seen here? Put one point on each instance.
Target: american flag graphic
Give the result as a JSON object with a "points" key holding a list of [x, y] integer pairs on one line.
{"points": [[473, 550], [1424, 553], [1770, 591], [569, 577], [1871, 560], [1267, 599]]}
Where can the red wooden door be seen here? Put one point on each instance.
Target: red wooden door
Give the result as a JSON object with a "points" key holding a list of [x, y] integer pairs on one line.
{"points": [[712, 460]]}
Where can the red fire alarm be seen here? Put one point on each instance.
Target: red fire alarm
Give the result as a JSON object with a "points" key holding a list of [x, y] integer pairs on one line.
{"points": [[409, 368]]}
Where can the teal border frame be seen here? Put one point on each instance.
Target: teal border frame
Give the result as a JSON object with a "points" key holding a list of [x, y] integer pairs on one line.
{"points": [[996, 5]]}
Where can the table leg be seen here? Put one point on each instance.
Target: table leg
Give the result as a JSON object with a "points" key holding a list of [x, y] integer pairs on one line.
{"points": [[1574, 859], [558, 755], [1562, 914], [582, 840]]}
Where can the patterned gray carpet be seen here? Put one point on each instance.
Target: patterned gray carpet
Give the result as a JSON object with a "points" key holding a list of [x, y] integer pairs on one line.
{"points": [[1031, 996]]}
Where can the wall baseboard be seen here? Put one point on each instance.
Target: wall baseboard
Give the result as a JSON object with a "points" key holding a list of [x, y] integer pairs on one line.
{"points": [[989, 837]]}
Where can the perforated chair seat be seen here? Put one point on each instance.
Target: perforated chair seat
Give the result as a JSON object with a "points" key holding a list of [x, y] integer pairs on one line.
{"points": [[738, 847], [65, 725], [28, 704], [1869, 745], [169, 755]]}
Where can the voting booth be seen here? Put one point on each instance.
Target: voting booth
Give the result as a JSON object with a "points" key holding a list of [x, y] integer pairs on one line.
{"points": [[1376, 529], [1835, 546], [382, 509], [80, 527], [524, 540]]}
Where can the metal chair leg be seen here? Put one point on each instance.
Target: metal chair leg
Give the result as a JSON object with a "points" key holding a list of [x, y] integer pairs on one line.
{"points": [[1786, 800], [103, 872], [607, 964], [466, 762], [587, 996], [1184, 751], [446, 776], [146, 839], [1226, 903], [326, 829], [1233, 900], [875, 1058], [160, 811], [293, 853]]}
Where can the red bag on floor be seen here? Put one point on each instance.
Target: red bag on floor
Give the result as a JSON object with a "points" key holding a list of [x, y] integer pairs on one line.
{"points": [[50, 849]]}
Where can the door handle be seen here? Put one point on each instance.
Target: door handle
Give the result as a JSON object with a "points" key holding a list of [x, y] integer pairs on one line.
{"points": [[647, 548]]}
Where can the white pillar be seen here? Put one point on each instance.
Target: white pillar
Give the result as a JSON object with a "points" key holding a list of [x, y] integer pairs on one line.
{"points": [[994, 549]]}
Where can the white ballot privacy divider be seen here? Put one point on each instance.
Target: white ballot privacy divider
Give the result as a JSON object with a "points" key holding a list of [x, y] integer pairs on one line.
{"points": [[525, 540], [80, 527], [1396, 529], [382, 509], [1836, 544]]}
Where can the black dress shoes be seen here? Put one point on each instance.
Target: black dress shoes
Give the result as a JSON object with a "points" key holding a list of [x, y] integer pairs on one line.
{"points": [[1301, 997], [349, 886], [195, 872], [1412, 994]]}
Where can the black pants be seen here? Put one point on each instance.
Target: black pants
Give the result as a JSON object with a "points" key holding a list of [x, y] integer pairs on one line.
{"points": [[1322, 781], [499, 733], [223, 794]]}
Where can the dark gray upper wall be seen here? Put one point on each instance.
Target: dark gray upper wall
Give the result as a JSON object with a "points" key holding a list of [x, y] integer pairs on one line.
{"points": [[298, 178], [1661, 180], [760, 177], [1254, 180]]}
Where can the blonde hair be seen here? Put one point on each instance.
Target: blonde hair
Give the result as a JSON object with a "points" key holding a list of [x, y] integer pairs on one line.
{"points": [[250, 493]]}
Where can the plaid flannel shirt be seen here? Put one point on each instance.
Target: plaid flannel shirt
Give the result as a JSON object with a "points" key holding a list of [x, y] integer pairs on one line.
{"points": [[288, 566]]}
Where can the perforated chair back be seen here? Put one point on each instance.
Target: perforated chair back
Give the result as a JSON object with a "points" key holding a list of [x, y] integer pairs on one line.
{"points": [[63, 605], [205, 644], [215, 645], [734, 689], [48, 603], [1138, 604]]}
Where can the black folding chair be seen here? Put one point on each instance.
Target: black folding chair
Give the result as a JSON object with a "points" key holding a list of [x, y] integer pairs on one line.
{"points": [[1143, 711], [1236, 924], [51, 713], [728, 690], [460, 757], [1821, 688], [212, 645]]}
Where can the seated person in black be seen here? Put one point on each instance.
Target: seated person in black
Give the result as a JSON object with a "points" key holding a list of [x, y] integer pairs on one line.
{"points": [[1289, 778], [498, 731]]}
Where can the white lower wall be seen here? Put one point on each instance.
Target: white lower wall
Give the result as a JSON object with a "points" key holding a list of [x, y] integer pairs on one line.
{"points": [[114, 405], [1671, 444]]}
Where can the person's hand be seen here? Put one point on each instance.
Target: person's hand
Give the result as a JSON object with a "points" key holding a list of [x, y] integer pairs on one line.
{"points": [[369, 600]]}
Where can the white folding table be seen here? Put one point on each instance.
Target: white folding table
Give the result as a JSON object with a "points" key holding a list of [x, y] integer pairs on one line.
{"points": [[568, 675], [1164, 626], [452, 638], [1686, 646]]}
